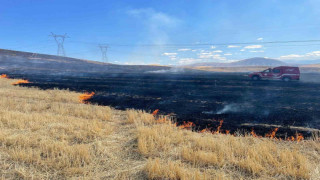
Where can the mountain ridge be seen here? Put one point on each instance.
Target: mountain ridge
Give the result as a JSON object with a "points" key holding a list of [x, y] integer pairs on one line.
{"points": [[256, 61]]}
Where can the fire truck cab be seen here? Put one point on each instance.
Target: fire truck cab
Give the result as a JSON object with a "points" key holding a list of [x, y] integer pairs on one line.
{"points": [[285, 73]]}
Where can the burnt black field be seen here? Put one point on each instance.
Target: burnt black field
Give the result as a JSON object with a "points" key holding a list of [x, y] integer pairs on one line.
{"points": [[205, 98]]}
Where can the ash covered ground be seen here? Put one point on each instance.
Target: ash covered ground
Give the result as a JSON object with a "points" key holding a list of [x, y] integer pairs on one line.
{"points": [[205, 99]]}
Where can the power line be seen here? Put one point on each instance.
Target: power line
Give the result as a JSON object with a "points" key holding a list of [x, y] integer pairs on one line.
{"points": [[141, 54], [60, 40], [203, 44]]}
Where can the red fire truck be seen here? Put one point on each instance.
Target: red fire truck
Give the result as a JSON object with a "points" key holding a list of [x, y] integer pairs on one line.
{"points": [[285, 73]]}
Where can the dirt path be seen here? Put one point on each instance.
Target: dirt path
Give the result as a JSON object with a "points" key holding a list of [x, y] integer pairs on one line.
{"points": [[121, 159]]}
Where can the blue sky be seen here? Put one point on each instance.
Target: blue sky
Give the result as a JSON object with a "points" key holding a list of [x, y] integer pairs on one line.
{"points": [[173, 30]]}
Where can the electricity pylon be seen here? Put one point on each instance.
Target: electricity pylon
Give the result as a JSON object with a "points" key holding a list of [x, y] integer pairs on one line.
{"points": [[60, 40], [104, 49]]}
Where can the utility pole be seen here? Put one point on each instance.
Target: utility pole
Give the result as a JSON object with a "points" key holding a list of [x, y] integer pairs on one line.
{"points": [[104, 49], [60, 40]]}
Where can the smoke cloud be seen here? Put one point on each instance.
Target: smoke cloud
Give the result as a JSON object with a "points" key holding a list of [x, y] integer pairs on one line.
{"points": [[229, 108], [172, 70]]}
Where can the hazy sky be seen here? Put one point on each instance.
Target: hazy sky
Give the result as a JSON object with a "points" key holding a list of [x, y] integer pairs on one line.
{"points": [[164, 25]]}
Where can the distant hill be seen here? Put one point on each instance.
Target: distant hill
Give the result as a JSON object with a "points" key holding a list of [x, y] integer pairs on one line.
{"points": [[257, 61], [31, 63], [303, 62], [312, 65], [250, 65]]}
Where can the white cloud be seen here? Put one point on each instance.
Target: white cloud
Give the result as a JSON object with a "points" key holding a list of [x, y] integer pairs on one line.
{"points": [[257, 51], [184, 49], [205, 54], [260, 39], [169, 54], [172, 56], [253, 47], [194, 50], [227, 54], [220, 58], [291, 56], [211, 56], [212, 47], [314, 53], [233, 46], [242, 50], [188, 60], [311, 55]]}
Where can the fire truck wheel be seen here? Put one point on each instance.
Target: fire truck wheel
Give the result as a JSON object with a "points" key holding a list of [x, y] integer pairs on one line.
{"points": [[255, 78], [286, 79]]}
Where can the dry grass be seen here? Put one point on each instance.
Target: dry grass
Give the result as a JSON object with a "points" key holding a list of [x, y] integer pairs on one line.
{"points": [[51, 135]]}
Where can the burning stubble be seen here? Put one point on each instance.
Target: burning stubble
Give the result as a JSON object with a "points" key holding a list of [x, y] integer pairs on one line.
{"points": [[21, 82], [83, 98], [4, 76]]}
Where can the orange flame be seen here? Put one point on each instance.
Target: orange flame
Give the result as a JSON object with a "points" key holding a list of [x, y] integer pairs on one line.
{"points": [[166, 120], [219, 127], [253, 133], [272, 134], [86, 96], [290, 138], [155, 112], [189, 125], [205, 130], [163, 119], [299, 137], [186, 125], [21, 82], [4, 76]]}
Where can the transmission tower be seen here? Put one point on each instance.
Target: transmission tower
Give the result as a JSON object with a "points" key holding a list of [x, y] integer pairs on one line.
{"points": [[104, 49], [60, 40]]}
